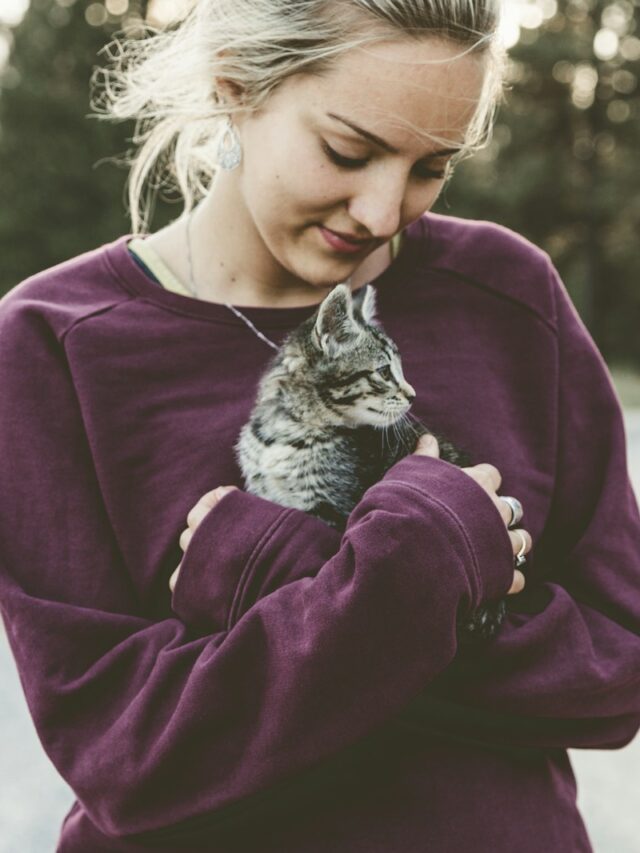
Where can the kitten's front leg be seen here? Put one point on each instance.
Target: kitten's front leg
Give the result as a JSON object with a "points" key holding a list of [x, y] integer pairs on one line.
{"points": [[483, 624]]}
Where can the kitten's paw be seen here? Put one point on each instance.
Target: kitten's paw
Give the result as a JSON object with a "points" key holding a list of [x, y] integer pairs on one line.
{"points": [[454, 455], [484, 623]]}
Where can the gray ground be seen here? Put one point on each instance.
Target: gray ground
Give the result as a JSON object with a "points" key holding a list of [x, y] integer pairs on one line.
{"points": [[34, 798]]}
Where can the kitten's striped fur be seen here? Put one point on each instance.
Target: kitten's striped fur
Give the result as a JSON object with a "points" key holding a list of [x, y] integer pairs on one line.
{"points": [[331, 417]]}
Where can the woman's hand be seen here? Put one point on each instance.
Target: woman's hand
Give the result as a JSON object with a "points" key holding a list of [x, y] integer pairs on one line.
{"points": [[490, 479], [196, 514]]}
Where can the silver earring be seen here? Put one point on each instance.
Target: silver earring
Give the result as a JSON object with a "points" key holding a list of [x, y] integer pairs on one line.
{"points": [[229, 149]]}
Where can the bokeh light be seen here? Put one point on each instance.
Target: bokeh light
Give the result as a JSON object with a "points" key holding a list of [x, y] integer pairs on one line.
{"points": [[618, 111], [605, 44], [518, 15], [162, 12], [12, 12], [584, 85], [630, 48], [5, 46], [618, 17], [96, 14], [117, 7]]}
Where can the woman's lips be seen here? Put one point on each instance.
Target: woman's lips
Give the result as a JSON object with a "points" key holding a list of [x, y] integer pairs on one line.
{"points": [[341, 244]]}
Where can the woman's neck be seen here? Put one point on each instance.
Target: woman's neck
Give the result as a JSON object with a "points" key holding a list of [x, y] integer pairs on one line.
{"points": [[222, 276]]}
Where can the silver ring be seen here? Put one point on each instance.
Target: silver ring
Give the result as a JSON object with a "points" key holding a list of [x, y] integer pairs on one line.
{"points": [[520, 557], [516, 511]]}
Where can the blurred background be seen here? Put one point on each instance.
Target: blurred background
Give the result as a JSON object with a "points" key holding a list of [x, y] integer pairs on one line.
{"points": [[563, 169]]}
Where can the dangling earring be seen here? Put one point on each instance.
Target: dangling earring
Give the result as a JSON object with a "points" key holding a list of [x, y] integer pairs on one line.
{"points": [[229, 149]]}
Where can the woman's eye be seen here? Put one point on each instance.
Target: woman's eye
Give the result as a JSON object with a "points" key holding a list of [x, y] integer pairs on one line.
{"points": [[423, 172], [344, 162], [385, 373], [426, 174]]}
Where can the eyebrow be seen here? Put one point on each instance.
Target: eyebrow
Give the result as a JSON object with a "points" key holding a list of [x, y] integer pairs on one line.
{"points": [[386, 146]]}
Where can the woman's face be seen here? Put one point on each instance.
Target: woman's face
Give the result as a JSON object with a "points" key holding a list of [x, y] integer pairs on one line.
{"points": [[347, 152]]}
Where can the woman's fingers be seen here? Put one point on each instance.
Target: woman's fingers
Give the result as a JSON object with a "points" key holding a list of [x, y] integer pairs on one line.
{"points": [[521, 543], [487, 475], [206, 503], [174, 578], [185, 538], [198, 512], [518, 583], [427, 446], [505, 511], [517, 543]]}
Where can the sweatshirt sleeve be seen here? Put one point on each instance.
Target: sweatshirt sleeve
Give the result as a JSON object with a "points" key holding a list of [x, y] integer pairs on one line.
{"points": [[257, 547], [564, 671], [154, 726], [248, 547]]}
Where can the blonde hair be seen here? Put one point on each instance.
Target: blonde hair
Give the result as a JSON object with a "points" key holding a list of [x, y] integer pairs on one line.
{"points": [[166, 81]]}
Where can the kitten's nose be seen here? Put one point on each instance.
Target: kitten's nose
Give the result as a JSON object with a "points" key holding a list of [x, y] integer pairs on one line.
{"points": [[409, 392]]}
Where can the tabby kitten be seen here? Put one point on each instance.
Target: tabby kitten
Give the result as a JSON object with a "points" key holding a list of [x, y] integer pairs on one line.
{"points": [[331, 417]]}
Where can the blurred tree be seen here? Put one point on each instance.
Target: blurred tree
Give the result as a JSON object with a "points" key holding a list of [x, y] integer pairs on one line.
{"points": [[65, 197], [563, 165]]}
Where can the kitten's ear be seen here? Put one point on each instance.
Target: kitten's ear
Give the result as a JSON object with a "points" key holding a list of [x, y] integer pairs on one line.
{"points": [[365, 301], [335, 325]]}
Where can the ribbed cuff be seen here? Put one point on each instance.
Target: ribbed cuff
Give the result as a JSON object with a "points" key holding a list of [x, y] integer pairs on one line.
{"points": [[243, 549], [475, 514], [217, 556]]}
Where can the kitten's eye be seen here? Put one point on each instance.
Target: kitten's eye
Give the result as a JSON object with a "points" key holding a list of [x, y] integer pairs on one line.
{"points": [[385, 373]]}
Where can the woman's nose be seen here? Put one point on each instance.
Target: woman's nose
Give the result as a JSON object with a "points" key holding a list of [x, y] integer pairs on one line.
{"points": [[379, 208]]}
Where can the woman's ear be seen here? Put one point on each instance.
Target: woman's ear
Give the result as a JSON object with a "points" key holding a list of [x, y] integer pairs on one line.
{"points": [[229, 92]]}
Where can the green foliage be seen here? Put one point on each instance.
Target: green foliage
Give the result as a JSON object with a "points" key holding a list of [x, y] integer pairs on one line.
{"points": [[65, 194], [563, 166]]}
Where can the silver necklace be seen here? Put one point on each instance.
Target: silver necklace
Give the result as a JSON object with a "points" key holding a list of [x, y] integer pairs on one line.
{"points": [[239, 314], [194, 292]]}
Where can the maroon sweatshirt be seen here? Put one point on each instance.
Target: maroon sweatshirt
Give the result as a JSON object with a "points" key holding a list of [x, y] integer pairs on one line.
{"points": [[302, 691]]}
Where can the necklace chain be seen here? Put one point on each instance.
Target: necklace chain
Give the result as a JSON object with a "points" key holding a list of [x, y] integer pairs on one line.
{"points": [[238, 313]]}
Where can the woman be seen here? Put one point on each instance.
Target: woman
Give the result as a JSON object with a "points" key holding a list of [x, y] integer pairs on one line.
{"points": [[297, 690]]}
